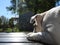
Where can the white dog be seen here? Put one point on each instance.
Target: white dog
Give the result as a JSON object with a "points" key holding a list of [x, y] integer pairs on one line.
{"points": [[51, 25]]}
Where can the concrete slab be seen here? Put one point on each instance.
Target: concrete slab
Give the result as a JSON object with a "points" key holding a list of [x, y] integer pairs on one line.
{"points": [[15, 39]]}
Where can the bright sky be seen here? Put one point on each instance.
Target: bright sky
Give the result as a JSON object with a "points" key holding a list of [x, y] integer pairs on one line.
{"points": [[3, 10]]}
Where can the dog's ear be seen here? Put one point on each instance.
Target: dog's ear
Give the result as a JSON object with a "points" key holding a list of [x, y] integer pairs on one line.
{"points": [[39, 19], [38, 23]]}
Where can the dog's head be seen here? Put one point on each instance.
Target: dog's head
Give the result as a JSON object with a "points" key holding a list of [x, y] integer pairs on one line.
{"points": [[37, 20]]}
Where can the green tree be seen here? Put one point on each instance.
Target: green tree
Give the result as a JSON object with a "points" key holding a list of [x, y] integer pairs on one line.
{"points": [[37, 6], [4, 23], [21, 7], [12, 7], [11, 24], [0, 22]]}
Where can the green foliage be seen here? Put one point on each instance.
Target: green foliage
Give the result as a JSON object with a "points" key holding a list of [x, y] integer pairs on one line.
{"points": [[4, 20], [3, 23], [8, 30], [11, 24], [16, 29], [0, 30], [7, 25], [37, 6], [0, 21], [12, 7]]}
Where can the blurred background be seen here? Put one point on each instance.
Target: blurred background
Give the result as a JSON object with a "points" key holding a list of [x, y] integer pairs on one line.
{"points": [[15, 14]]}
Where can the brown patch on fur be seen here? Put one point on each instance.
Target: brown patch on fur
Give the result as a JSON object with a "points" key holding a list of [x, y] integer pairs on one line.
{"points": [[39, 19]]}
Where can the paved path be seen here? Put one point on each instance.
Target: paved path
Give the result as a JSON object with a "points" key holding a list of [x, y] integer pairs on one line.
{"points": [[15, 39]]}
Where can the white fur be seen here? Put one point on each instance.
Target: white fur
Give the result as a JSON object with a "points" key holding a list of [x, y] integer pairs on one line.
{"points": [[53, 17], [51, 20]]}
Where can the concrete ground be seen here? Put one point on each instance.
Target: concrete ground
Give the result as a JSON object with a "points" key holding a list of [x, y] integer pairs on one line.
{"points": [[15, 39]]}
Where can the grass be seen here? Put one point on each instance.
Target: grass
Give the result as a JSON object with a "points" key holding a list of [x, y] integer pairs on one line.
{"points": [[8, 30], [12, 30], [15, 29], [0, 30]]}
